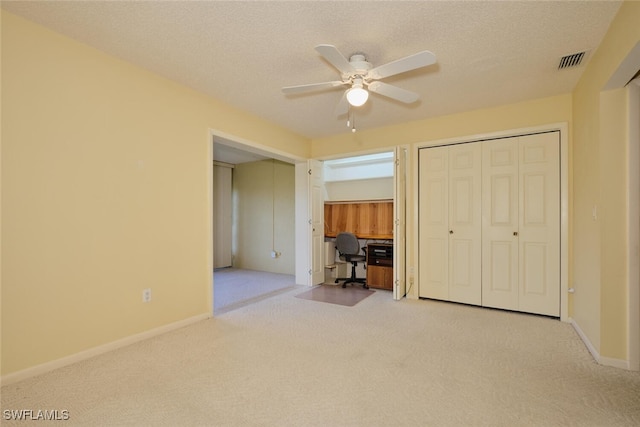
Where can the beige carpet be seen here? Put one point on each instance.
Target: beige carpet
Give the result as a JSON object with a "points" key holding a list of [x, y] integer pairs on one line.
{"points": [[284, 361], [235, 287], [336, 294]]}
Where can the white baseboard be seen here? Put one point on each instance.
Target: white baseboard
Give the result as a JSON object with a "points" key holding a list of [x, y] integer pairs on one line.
{"points": [[594, 353], [605, 361], [615, 363], [95, 351]]}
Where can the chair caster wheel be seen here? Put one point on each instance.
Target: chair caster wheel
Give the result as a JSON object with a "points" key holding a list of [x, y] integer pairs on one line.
{"points": [[344, 285], [365, 286]]}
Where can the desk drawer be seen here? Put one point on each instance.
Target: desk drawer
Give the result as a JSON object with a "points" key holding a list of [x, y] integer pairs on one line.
{"points": [[383, 262]]}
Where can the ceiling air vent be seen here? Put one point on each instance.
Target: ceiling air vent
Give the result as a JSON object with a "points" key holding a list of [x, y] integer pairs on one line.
{"points": [[572, 60]]}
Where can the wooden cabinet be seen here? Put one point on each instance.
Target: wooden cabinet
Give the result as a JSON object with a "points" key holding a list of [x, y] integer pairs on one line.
{"points": [[367, 220], [380, 277], [380, 265]]}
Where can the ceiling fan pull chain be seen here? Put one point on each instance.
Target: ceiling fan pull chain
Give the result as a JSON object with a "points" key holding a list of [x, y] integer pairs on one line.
{"points": [[353, 122]]}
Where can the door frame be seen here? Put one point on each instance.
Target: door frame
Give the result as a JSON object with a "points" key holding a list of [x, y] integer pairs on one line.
{"points": [[401, 163], [216, 136], [392, 149], [563, 128], [633, 200]]}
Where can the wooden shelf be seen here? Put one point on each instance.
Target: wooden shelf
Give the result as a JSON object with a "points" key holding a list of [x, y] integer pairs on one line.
{"points": [[367, 220]]}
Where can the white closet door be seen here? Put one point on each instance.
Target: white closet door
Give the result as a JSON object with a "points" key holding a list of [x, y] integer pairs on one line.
{"points": [[539, 224], [434, 230], [521, 224], [500, 223], [222, 216], [465, 228]]}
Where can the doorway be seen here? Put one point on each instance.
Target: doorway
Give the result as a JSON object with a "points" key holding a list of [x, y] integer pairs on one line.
{"points": [[364, 187], [252, 245]]}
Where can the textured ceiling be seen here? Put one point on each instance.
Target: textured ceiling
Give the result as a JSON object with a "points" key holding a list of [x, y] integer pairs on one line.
{"points": [[243, 53]]}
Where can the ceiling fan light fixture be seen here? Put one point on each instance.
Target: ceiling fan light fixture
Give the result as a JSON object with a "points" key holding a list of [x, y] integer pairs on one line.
{"points": [[357, 95]]}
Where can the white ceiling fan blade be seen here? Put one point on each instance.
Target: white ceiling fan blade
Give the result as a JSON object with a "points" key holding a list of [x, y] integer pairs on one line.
{"points": [[311, 87], [411, 62], [343, 105], [336, 59], [393, 92]]}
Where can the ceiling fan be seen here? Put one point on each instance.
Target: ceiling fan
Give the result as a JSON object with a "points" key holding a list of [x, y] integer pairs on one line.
{"points": [[359, 75]]}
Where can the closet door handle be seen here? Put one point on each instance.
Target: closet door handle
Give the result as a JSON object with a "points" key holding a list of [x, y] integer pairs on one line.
{"points": [[515, 233], [450, 231]]}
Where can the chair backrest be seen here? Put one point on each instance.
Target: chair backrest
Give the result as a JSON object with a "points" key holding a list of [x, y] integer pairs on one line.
{"points": [[347, 243]]}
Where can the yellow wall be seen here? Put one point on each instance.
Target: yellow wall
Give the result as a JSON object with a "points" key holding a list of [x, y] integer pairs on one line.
{"points": [[613, 223], [264, 212], [105, 192], [599, 146], [514, 116]]}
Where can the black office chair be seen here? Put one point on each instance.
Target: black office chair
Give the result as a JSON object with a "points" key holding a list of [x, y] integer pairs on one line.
{"points": [[349, 249]]}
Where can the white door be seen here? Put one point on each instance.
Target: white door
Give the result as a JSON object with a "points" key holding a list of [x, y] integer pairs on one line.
{"points": [[450, 187], [489, 223], [433, 235], [500, 223], [539, 224], [465, 232], [399, 234], [521, 224], [316, 221]]}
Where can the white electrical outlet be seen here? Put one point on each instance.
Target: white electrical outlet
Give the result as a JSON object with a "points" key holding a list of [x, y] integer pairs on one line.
{"points": [[146, 295]]}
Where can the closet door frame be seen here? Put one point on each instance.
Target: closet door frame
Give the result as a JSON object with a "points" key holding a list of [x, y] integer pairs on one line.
{"points": [[564, 195]]}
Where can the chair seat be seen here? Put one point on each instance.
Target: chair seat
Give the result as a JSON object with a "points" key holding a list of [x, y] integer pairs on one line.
{"points": [[352, 258]]}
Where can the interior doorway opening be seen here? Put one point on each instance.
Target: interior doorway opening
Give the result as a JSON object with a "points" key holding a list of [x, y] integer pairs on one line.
{"points": [[253, 198], [364, 194]]}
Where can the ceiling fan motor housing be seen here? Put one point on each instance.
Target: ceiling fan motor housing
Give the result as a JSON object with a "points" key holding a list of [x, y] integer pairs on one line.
{"points": [[360, 64]]}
